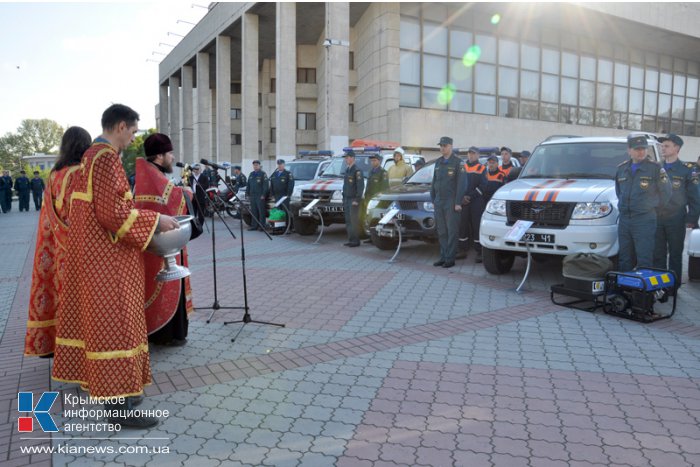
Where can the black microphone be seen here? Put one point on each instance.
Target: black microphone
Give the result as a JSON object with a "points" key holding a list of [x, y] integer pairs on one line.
{"points": [[212, 164], [182, 164]]}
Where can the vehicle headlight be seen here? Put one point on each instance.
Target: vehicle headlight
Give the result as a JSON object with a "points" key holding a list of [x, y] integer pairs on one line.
{"points": [[337, 196], [372, 203], [496, 207], [591, 210], [296, 194], [428, 206]]}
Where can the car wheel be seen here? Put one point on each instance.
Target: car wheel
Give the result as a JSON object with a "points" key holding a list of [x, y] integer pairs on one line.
{"points": [[497, 261], [305, 226], [383, 243], [694, 268]]}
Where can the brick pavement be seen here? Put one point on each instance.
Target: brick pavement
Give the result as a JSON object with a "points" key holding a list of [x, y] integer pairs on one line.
{"points": [[382, 364]]}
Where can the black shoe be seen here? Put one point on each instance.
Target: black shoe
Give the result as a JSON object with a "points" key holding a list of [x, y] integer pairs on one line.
{"points": [[479, 259], [135, 400], [129, 421], [353, 245], [439, 263], [369, 240], [461, 255], [252, 229], [176, 343], [448, 264]]}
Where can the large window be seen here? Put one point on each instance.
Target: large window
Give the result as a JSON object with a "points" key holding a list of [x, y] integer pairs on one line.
{"points": [[457, 66], [306, 121], [306, 75]]}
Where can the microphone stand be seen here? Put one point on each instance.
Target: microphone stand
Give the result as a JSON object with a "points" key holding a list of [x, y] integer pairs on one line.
{"points": [[246, 315], [215, 306]]}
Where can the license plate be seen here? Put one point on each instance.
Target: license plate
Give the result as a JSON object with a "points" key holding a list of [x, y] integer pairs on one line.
{"points": [[537, 238], [400, 216]]}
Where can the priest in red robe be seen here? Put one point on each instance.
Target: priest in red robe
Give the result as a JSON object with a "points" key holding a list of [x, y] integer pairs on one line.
{"points": [[168, 304]]}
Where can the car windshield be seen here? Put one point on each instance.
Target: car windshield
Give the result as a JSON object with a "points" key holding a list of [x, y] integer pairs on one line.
{"points": [[423, 176], [303, 170], [337, 167], [576, 160]]}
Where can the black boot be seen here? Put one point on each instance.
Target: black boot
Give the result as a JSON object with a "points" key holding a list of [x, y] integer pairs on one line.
{"points": [[127, 420]]}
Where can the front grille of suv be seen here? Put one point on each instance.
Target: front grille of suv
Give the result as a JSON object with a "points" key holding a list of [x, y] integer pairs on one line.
{"points": [[543, 214], [310, 195]]}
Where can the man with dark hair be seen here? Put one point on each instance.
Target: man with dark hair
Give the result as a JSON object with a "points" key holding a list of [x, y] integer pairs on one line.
{"points": [[101, 337], [473, 205], [22, 188], [377, 182], [167, 303], [37, 187], [680, 212], [239, 180], [199, 183], [506, 162], [6, 191]]}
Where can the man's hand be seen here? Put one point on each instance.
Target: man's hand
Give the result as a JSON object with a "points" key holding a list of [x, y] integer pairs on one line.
{"points": [[466, 199], [691, 226], [355, 203], [187, 189], [166, 223], [458, 207], [262, 198]]}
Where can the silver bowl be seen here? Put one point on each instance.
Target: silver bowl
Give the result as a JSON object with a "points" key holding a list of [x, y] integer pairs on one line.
{"points": [[168, 245]]}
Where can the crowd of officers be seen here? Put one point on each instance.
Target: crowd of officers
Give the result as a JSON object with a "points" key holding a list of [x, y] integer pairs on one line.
{"points": [[23, 186], [656, 202]]}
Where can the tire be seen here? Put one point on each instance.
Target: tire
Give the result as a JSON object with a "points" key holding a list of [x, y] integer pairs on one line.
{"points": [[383, 243], [305, 226], [247, 218], [694, 268], [496, 261]]}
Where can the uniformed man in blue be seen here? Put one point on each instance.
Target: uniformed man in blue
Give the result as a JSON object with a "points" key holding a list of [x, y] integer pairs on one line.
{"points": [[6, 191], [353, 189], [641, 187], [377, 182], [22, 188], [257, 191], [239, 180], [680, 212], [37, 187], [446, 190], [282, 184]]}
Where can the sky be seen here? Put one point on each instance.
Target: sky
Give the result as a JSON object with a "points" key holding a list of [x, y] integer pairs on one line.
{"points": [[69, 61]]}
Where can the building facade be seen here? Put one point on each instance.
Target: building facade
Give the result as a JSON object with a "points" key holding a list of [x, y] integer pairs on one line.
{"points": [[263, 80]]}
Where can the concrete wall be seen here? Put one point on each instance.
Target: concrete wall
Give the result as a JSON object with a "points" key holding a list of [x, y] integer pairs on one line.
{"points": [[377, 63]]}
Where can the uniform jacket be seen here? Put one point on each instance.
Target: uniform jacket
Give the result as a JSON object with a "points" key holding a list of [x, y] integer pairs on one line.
{"points": [[37, 185], [377, 182], [398, 172], [281, 184], [476, 179], [353, 183], [239, 181], [5, 182], [258, 184], [505, 168], [449, 181], [685, 197], [641, 193], [494, 181], [22, 185]]}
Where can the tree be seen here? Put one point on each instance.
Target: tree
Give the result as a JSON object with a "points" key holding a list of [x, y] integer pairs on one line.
{"points": [[135, 150], [39, 136], [32, 136]]}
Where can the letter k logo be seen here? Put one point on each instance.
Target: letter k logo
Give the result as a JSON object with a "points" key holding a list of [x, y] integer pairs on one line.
{"points": [[25, 403]]}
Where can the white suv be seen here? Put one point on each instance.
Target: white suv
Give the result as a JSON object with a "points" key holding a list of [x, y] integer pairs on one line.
{"points": [[567, 188]]}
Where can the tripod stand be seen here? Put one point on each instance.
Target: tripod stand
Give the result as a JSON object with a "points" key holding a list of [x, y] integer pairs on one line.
{"points": [[246, 315]]}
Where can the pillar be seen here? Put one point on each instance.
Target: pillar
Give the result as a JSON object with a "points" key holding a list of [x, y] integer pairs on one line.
{"points": [[249, 88], [187, 134], [202, 149], [223, 100], [174, 112], [286, 77]]}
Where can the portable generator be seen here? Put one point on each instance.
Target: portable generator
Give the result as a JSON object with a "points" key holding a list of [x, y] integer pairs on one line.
{"points": [[633, 294]]}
